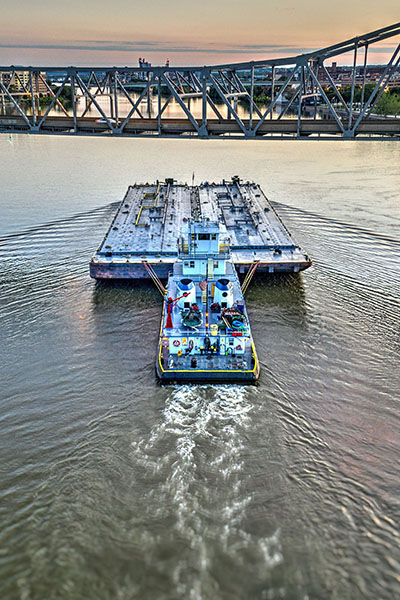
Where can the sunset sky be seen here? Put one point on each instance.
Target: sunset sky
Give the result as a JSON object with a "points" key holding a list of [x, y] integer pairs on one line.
{"points": [[117, 32]]}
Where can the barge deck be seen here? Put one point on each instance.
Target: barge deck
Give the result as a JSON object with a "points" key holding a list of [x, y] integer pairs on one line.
{"points": [[150, 218]]}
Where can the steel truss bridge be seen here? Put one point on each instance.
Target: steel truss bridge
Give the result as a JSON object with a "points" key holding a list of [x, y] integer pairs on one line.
{"points": [[209, 100]]}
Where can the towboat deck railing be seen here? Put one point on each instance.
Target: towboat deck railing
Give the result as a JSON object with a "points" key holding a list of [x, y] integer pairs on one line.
{"points": [[203, 256]]}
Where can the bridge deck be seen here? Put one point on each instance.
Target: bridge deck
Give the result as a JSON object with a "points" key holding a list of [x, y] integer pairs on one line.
{"points": [[216, 127]]}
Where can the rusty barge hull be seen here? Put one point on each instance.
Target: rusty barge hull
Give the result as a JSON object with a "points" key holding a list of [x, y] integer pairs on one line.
{"points": [[138, 271]]}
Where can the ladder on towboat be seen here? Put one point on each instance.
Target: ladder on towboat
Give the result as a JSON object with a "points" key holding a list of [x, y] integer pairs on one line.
{"points": [[203, 285], [210, 269]]}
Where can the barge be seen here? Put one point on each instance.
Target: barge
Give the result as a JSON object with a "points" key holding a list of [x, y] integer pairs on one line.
{"points": [[205, 331], [150, 218]]}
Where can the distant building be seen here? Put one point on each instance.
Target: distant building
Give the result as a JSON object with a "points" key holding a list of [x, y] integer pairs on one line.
{"points": [[20, 80], [343, 76], [5, 77], [394, 81]]}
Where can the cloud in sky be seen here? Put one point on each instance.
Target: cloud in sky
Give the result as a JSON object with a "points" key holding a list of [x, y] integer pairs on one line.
{"points": [[111, 52], [158, 46]]}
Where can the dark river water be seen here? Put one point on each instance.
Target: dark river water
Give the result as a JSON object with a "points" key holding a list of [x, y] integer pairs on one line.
{"points": [[114, 488]]}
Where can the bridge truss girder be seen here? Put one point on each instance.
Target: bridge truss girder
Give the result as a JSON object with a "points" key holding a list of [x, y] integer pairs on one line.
{"points": [[209, 98]]}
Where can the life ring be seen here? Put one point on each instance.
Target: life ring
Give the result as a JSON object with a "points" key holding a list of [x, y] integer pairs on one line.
{"points": [[237, 323], [176, 343]]}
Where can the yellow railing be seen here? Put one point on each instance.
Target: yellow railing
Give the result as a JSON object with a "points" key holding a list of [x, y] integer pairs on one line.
{"points": [[146, 196]]}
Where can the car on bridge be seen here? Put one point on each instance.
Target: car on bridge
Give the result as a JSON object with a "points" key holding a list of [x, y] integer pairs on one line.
{"points": [[106, 122]]}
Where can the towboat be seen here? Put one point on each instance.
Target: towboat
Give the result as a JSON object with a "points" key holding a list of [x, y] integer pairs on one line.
{"points": [[205, 331]]}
